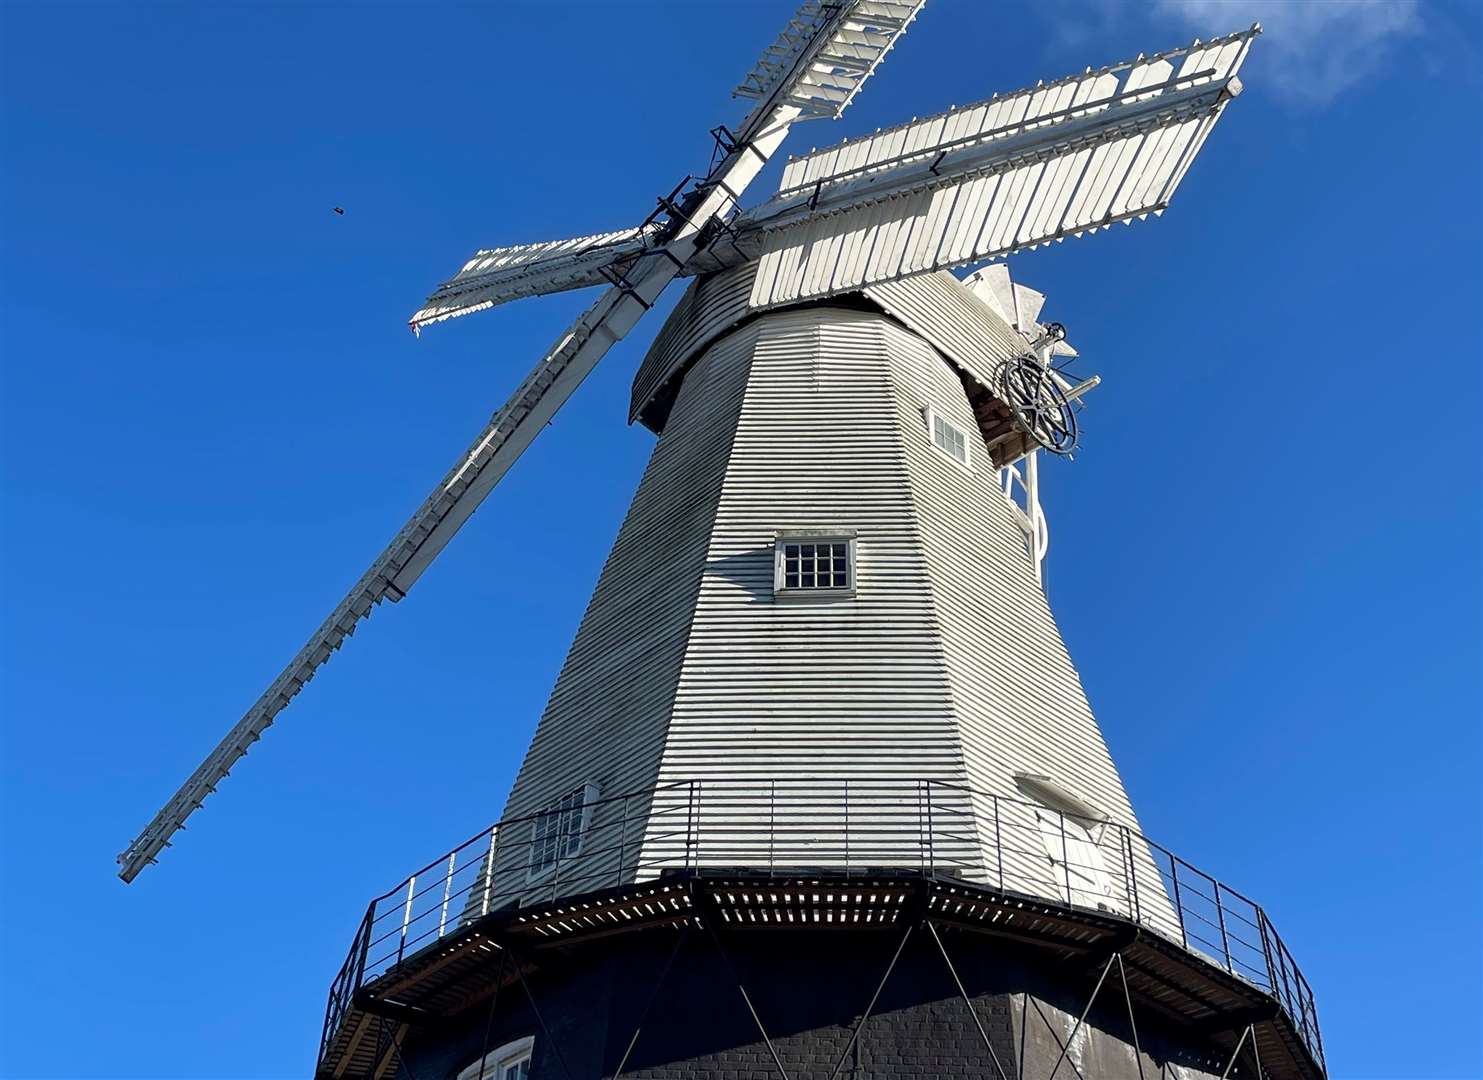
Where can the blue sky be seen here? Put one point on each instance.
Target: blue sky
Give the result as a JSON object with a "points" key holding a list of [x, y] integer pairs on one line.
{"points": [[1265, 561]]}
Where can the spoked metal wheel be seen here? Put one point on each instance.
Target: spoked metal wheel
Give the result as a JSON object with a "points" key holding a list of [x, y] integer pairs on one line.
{"points": [[1039, 404]]}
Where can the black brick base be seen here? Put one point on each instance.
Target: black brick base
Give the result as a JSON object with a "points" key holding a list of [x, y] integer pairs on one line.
{"points": [[809, 988]]}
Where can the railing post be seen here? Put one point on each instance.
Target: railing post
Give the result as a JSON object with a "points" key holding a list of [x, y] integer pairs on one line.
{"points": [[489, 873], [623, 843], [1178, 903], [772, 823], [847, 826], [1220, 913], [1130, 871], [1066, 859], [1282, 970], [1261, 920], [406, 918], [998, 842], [1318, 1038], [690, 839], [931, 834], [365, 947], [447, 890]]}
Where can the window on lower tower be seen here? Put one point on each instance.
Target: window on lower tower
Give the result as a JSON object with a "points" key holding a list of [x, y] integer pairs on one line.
{"points": [[814, 563], [558, 831], [508, 1062], [948, 437]]}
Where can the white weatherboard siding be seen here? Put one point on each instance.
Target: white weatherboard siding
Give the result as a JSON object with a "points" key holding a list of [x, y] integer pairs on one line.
{"points": [[606, 719], [1018, 700], [800, 732], [800, 695]]}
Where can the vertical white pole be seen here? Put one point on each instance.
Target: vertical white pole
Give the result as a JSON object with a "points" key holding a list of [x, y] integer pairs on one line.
{"points": [[406, 918], [489, 874], [1032, 510], [447, 887]]}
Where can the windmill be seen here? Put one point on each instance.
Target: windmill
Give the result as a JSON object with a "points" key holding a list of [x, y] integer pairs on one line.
{"points": [[819, 652]]}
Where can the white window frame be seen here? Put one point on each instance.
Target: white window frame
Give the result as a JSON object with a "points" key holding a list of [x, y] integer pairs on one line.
{"points": [[494, 1063], [786, 537], [933, 417], [553, 811]]}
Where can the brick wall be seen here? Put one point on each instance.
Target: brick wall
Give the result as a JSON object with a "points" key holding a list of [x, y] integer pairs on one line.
{"points": [[808, 988]]}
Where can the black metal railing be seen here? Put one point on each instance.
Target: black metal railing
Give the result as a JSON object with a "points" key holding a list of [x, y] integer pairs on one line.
{"points": [[845, 826]]}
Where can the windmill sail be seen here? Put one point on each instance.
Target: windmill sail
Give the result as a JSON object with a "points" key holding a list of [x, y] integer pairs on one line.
{"points": [[988, 179], [490, 455], [829, 61], [498, 275], [653, 258]]}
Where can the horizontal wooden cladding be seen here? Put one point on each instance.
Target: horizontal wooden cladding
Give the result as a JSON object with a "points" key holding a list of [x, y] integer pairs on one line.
{"points": [[944, 665], [608, 713], [935, 305], [1018, 700], [709, 307], [947, 314]]}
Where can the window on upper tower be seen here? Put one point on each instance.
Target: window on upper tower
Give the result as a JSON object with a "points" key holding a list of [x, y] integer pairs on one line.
{"points": [[812, 564], [558, 831], [948, 437], [508, 1062]]}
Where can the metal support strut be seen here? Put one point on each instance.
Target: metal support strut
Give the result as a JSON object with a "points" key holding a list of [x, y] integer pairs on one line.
{"points": [[710, 920], [653, 997], [1082, 1018], [855, 1034], [1248, 1032], [967, 1001]]}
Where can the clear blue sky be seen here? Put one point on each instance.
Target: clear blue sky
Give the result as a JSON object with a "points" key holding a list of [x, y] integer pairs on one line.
{"points": [[1265, 562]]}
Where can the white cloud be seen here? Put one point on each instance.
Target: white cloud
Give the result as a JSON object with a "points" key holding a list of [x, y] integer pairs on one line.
{"points": [[1313, 50]]}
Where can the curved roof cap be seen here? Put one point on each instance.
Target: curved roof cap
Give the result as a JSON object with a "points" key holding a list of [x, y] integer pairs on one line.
{"points": [[935, 305]]}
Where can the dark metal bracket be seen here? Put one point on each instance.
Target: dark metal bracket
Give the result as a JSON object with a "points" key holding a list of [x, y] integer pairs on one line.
{"points": [[1053, 1034], [855, 1033], [1248, 1033], [653, 997], [1082, 1018], [711, 919], [967, 1001], [535, 1008]]}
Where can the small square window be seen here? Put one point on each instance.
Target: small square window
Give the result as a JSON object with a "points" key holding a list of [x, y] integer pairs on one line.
{"points": [[948, 437], [815, 565]]}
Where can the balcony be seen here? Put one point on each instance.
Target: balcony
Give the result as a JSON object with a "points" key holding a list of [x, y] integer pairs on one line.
{"points": [[780, 850]]}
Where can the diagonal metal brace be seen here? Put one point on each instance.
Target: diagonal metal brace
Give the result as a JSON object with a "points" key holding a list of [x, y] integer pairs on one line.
{"points": [[855, 1034], [712, 917], [1082, 1018], [1128, 998], [653, 997], [1248, 1032], [967, 1000], [1053, 1034], [535, 1008]]}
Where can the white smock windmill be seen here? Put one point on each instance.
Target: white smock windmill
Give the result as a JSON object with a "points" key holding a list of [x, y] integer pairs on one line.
{"points": [[885, 211]]}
